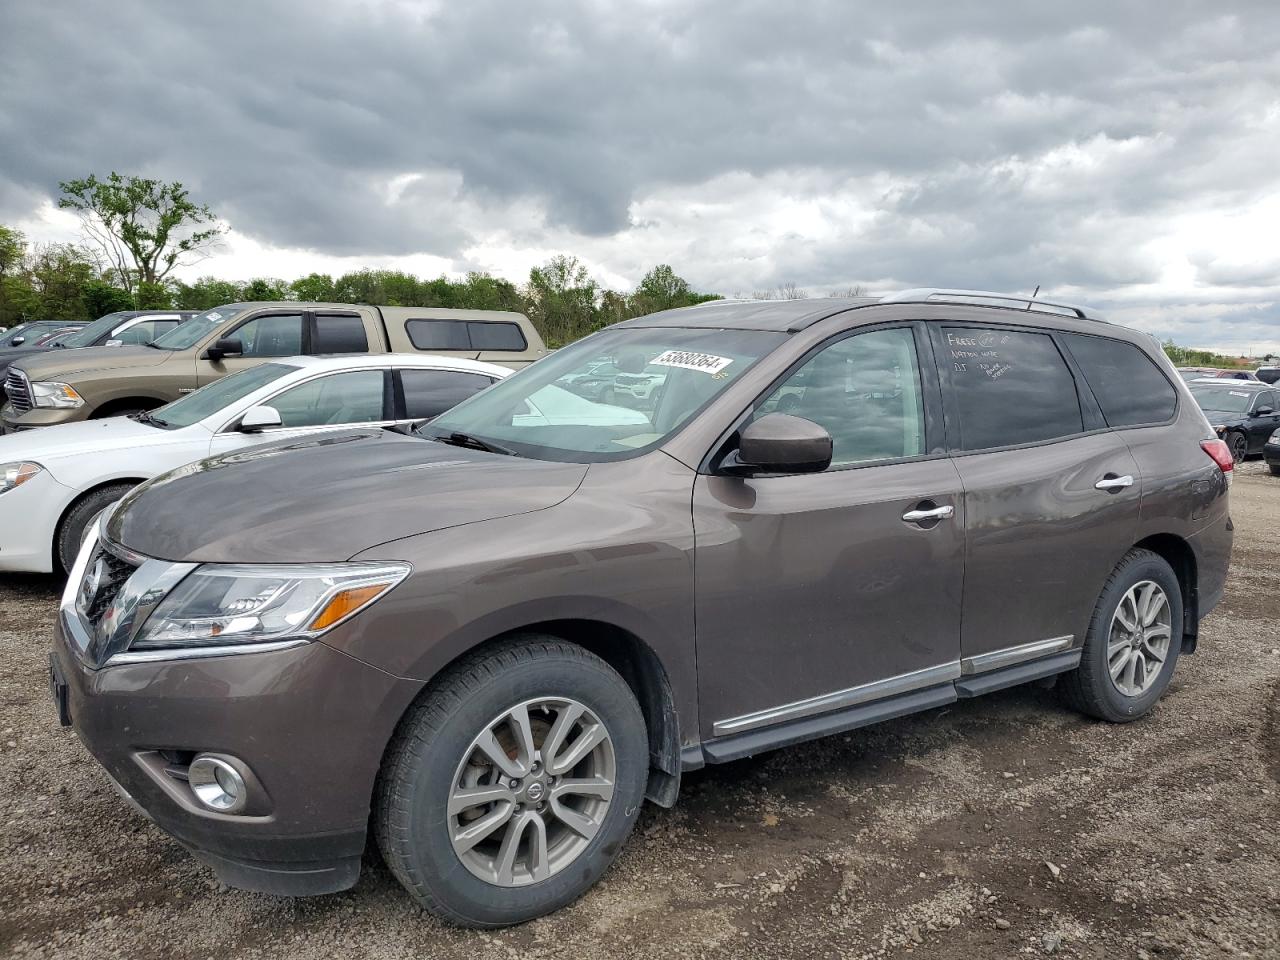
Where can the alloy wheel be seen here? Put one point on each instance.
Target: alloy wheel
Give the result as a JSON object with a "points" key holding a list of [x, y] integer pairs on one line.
{"points": [[1239, 446], [531, 792], [1138, 643]]}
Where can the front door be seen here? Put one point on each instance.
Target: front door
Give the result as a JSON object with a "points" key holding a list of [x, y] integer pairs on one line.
{"points": [[262, 337], [820, 592], [1051, 495]]}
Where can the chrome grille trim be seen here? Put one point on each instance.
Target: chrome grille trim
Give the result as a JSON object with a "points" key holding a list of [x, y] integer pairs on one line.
{"points": [[18, 389]]}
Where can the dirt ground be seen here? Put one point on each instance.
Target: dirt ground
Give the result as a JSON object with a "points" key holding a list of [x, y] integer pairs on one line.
{"points": [[992, 828]]}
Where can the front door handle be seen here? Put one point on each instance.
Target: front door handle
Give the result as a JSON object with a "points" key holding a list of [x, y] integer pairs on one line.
{"points": [[937, 513], [1112, 482]]}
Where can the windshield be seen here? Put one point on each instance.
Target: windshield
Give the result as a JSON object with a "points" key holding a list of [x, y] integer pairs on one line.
{"points": [[85, 336], [209, 399], [186, 335], [1213, 397], [608, 397]]}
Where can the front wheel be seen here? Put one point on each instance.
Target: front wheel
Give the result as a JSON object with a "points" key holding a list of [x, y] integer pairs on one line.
{"points": [[75, 525], [511, 787], [1133, 642], [1238, 444]]}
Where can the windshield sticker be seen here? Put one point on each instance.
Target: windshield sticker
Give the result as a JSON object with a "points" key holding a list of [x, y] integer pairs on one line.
{"points": [[1239, 393], [213, 316], [686, 360]]}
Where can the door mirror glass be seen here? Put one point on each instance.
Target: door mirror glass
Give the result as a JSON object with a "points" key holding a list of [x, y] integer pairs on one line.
{"points": [[226, 347], [257, 419], [781, 443]]}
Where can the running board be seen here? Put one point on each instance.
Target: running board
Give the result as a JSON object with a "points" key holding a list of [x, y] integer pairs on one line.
{"points": [[977, 685]]}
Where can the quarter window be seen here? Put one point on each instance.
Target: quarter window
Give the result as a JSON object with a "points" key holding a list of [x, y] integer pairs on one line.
{"points": [[1008, 387], [341, 398], [864, 390], [492, 335], [438, 334], [339, 333], [1128, 386], [429, 393], [275, 335]]}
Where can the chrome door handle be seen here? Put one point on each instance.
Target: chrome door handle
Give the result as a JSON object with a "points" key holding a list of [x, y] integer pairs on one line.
{"points": [[1114, 483], [937, 513]]}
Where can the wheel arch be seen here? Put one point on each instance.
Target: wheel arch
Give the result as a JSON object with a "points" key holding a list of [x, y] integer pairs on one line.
{"points": [[112, 407], [638, 665], [1177, 552], [79, 497]]}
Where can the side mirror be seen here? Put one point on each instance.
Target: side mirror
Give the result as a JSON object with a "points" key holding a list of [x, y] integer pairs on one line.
{"points": [[226, 347], [113, 343], [18, 341], [1263, 411], [781, 443], [257, 419]]}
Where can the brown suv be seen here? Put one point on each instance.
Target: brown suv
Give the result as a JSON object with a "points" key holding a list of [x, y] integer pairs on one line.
{"points": [[96, 382], [494, 637]]}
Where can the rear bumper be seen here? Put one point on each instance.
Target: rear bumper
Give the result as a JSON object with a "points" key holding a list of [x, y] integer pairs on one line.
{"points": [[309, 725]]}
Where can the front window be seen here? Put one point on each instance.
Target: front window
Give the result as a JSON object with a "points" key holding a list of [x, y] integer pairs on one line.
{"points": [[223, 392], [610, 396], [186, 335], [1223, 399]]}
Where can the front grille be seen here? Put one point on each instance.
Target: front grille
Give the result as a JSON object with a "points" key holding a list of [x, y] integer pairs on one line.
{"points": [[104, 577], [19, 391]]}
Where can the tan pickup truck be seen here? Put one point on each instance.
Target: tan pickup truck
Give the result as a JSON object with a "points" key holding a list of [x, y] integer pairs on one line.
{"points": [[94, 382]]}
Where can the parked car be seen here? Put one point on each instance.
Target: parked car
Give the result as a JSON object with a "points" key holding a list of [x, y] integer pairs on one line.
{"points": [[70, 473], [114, 329], [1200, 373], [1271, 453], [479, 639], [1268, 374], [1244, 415], [90, 384], [28, 333]]}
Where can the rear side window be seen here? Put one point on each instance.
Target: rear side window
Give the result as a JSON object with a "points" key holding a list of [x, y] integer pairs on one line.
{"points": [[439, 334], [466, 335], [429, 393], [490, 335], [339, 333], [1129, 387], [1008, 387]]}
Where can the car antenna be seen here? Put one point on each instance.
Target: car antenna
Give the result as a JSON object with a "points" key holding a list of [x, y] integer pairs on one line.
{"points": [[1033, 296]]}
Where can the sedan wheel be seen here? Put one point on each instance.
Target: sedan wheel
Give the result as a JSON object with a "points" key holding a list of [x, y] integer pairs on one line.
{"points": [[1238, 444]]}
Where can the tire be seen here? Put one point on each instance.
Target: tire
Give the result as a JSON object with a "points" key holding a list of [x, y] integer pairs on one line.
{"points": [[1238, 444], [434, 755], [1090, 688], [76, 521], [1274, 468]]}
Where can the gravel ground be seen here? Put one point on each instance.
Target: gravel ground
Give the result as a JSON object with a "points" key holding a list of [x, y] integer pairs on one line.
{"points": [[995, 827]]}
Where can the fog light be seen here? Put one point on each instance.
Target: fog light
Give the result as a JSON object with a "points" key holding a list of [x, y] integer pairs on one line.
{"points": [[217, 784]]}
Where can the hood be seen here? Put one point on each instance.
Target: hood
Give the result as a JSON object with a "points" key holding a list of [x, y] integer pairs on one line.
{"points": [[9, 354], [328, 498], [60, 364], [96, 438]]}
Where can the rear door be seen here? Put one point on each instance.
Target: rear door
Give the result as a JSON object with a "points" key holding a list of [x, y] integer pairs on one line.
{"points": [[1262, 424], [821, 592], [1051, 494]]}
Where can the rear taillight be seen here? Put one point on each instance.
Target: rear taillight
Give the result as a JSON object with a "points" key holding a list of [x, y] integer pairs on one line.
{"points": [[1221, 454]]}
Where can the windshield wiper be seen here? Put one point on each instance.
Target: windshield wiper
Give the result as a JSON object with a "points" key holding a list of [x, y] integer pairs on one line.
{"points": [[145, 416], [467, 440]]}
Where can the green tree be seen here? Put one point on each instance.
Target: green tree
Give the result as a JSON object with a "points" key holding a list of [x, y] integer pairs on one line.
{"points": [[481, 291], [313, 288], [206, 293], [143, 227], [152, 296], [265, 288], [13, 247], [101, 298], [562, 300]]}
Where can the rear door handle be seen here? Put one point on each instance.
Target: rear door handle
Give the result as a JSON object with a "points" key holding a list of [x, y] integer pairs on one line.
{"points": [[937, 513], [1112, 482]]}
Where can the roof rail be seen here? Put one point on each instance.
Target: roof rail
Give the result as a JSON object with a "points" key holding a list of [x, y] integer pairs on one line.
{"points": [[991, 299]]}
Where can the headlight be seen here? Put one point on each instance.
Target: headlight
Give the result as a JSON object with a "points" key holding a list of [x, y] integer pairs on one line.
{"points": [[16, 474], [50, 393], [1219, 427], [230, 604]]}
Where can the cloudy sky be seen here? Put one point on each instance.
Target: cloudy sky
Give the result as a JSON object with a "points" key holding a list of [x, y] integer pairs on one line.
{"points": [[1119, 153]]}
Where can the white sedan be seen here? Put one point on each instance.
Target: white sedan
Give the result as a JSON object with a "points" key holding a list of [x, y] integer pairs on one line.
{"points": [[55, 481]]}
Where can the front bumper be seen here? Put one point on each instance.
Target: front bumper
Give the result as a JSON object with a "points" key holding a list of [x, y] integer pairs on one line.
{"points": [[309, 723], [29, 517], [1271, 453], [11, 421]]}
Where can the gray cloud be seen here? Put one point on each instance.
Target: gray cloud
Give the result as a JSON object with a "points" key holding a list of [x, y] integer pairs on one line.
{"points": [[1010, 145]]}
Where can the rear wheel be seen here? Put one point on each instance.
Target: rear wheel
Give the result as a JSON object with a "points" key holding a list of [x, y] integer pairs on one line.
{"points": [[1238, 444], [1133, 642], [511, 787], [75, 525]]}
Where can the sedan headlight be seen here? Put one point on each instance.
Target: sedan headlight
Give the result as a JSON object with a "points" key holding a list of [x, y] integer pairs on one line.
{"points": [[231, 604], [16, 474], [60, 396]]}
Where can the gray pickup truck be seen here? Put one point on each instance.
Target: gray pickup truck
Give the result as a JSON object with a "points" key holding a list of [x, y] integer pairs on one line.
{"points": [[98, 382]]}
